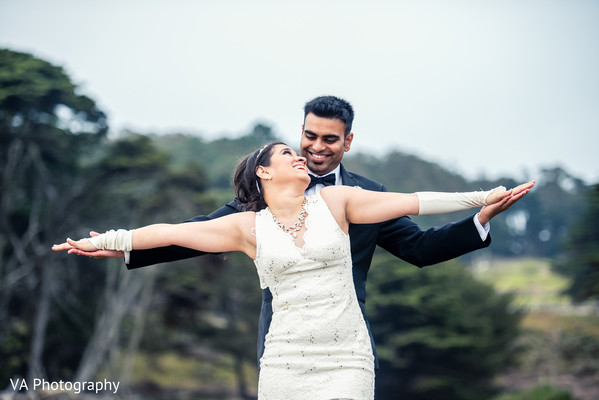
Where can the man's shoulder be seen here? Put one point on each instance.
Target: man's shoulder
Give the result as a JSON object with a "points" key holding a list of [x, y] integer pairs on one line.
{"points": [[362, 181]]}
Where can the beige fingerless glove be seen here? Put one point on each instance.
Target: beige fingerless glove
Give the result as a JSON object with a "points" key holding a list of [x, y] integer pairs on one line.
{"points": [[120, 240], [441, 202]]}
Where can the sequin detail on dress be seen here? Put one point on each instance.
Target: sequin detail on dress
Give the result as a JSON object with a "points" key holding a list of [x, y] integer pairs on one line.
{"points": [[318, 345]]}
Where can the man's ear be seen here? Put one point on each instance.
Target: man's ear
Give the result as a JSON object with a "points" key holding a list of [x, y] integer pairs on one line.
{"points": [[348, 140]]}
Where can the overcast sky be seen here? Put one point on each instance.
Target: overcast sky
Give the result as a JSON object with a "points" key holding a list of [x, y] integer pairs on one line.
{"points": [[481, 87]]}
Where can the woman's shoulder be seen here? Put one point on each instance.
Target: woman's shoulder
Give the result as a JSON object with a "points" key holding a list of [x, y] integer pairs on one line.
{"points": [[337, 191], [242, 217], [336, 195], [246, 221], [249, 215]]}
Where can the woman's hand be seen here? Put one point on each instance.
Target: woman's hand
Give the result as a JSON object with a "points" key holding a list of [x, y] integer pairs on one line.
{"points": [[499, 204], [70, 244], [82, 244], [498, 194], [95, 253]]}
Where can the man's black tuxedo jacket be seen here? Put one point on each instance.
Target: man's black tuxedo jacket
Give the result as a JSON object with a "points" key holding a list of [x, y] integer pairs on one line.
{"points": [[401, 237]]}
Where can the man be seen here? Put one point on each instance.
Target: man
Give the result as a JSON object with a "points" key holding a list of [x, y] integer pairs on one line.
{"points": [[326, 136]]}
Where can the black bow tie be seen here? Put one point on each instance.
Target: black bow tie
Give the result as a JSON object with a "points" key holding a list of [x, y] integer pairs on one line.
{"points": [[327, 180]]}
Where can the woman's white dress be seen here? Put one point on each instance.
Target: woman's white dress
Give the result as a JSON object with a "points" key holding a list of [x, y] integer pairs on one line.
{"points": [[317, 346]]}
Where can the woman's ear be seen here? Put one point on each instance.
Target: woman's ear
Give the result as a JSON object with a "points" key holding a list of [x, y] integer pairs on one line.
{"points": [[263, 173]]}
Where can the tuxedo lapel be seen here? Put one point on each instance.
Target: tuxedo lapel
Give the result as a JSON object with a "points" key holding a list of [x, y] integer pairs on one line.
{"points": [[346, 178]]}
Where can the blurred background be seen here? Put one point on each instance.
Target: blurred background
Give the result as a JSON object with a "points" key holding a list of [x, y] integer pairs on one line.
{"points": [[119, 114]]}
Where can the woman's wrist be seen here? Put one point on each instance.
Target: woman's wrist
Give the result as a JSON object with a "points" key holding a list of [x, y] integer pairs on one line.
{"points": [[120, 240]]}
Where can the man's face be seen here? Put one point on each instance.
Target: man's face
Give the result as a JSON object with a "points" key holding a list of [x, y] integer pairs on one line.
{"points": [[323, 143]]}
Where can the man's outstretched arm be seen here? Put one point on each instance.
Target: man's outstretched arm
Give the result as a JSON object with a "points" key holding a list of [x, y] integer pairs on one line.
{"points": [[143, 258], [406, 240]]}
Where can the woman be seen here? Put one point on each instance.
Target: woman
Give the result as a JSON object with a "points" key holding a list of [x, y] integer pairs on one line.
{"points": [[318, 344]]}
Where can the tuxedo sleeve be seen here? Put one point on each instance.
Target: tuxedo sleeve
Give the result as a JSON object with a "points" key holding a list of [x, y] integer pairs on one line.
{"points": [[405, 239], [143, 258]]}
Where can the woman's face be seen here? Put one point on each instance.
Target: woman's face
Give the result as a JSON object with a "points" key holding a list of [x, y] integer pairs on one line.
{"points": [[285, 164]]}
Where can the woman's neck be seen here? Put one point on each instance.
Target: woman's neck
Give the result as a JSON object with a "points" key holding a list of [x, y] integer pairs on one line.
{"points": [[284, 204]]}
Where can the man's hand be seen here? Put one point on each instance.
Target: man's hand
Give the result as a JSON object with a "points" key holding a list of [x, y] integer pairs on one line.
{"points": [[490, 211], [95, 253]]}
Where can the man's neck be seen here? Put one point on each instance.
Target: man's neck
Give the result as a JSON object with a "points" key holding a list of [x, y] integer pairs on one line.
{"points": [[316, 188]]}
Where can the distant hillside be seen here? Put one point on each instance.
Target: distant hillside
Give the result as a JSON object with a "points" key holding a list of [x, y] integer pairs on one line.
{"points": [[218, 157], [405, 172]]}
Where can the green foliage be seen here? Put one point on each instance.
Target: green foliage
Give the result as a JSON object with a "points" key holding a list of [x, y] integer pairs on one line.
{"points": [[144, 184], [219, 156], [404, 172], [559, 351], [205, 376], [33, 91], [580, 262], [531, 280], [58, 169], [436, 326], [208, 308], [47, 131], [540, 392], [559, 199]]}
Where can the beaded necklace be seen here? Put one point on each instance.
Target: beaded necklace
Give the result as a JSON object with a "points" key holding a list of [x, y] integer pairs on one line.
{"points": [[293, 229]]}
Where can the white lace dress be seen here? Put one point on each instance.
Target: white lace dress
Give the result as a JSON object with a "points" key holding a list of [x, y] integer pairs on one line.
{"points": [[317, 346]]}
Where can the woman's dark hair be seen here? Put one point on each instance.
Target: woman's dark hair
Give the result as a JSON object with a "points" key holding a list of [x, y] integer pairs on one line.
{"points": [[248, 187]]}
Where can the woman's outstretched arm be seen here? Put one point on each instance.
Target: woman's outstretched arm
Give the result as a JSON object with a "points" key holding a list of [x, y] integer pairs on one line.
{"points": [[229, 233], [359, 206]]}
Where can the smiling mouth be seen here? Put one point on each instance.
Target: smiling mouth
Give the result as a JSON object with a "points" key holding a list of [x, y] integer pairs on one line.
{"points": [[318, 157], [301, 167]]}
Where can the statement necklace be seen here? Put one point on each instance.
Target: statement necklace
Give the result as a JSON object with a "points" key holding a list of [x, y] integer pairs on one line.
{"points": [[293, 229]]}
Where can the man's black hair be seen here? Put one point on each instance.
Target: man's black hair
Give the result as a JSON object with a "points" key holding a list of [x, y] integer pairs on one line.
{"points": [[331, 107]]}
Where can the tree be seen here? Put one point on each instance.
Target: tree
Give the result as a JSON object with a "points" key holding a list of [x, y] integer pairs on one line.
{"points": [[46, 130], [56, 163], [557, 201], [580, 262], [209, 310], [440, 334]]}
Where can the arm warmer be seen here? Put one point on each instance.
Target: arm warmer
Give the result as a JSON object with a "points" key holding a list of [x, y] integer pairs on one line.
{"points": [[441, 202], [120, 240]]}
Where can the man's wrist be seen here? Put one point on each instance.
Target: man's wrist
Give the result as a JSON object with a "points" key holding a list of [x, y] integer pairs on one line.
{"points": [[483, 229], [127, 256], [482, 218]]}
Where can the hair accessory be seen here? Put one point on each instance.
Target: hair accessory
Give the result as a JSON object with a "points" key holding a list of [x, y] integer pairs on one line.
{"points": [[262, 149]]}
